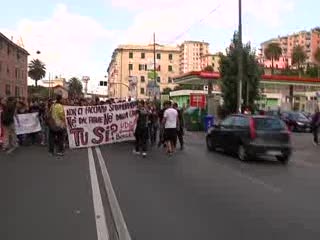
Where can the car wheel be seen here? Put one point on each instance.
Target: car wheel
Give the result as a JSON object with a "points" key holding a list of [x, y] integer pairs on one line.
{"points": [[284, 159], [242, 153], [210, 145]]}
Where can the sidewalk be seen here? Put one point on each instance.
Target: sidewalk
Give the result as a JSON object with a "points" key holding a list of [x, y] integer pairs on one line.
{"points": [[45, 198]]}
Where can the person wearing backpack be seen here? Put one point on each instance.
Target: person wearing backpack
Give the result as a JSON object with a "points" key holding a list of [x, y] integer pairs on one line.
{"points": [[10, 142], [56, 124]]}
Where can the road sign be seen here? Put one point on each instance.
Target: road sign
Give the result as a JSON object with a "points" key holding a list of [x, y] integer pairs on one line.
{"points": [[198, 100]]}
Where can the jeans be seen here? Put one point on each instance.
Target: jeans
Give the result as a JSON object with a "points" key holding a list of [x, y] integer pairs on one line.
{"points": [[141, 135], [56, 140], [315, 134], [10, 137], [180, 134]]}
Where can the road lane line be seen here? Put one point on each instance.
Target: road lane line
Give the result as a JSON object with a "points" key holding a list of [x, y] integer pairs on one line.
{"points": [[101, 224], [253, 180], [258, 182], [114, 204]]}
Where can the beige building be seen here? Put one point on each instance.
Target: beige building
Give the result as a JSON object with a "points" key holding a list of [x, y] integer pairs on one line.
{"points": [[13, 69], [191, 55], [211, 60], [55, 82], [134, 63]]}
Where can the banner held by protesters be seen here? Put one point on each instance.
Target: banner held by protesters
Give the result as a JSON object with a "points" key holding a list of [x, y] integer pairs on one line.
{"points": [[28, 123], [89, 126]]}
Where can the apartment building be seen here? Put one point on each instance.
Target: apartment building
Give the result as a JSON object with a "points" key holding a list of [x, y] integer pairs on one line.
{"points": [[135, 64], [191, 55], [309, 40], [13, 69], [211, 60]]}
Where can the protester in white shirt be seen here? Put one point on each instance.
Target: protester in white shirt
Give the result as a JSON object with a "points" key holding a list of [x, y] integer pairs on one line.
{"points": [[170, 121]]}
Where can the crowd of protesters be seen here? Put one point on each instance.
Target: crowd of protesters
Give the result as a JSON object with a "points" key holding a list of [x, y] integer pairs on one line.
{"points": [[154, 123], [166, 122]]}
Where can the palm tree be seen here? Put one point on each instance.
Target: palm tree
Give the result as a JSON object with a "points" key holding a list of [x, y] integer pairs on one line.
{"points": [[299, 57], [317, 58], [37, 70], [273, 52]]}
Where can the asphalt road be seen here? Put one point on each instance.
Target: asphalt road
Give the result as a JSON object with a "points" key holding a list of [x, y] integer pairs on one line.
{"points": [[195, 194], [43, 198]]}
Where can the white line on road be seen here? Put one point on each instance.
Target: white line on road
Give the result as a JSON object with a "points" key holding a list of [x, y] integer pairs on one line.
{"points": [[253, 180], [102, 231], [114, 204], [258, 182]]}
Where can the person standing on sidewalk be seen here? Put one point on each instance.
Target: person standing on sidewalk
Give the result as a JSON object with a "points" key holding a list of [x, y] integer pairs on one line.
{"points": [[56, 128], [315, 126], [180, 126], [170, 121], [141, 132], [10, 142]]}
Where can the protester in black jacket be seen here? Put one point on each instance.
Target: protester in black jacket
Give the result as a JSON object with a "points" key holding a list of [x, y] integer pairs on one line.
{"points": [[315, 126]]}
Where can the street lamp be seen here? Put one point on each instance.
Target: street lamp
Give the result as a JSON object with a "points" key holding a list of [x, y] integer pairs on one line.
{"points": [[240, 66]]}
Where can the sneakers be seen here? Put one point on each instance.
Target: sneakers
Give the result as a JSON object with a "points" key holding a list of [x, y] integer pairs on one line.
{"points": [[135, 152], [60, 154], [315, 143], [144, 154]]}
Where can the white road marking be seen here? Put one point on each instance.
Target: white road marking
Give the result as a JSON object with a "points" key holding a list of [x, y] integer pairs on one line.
{"points": [[101, 224], [258, 182], [114, 204], [253, 180]]}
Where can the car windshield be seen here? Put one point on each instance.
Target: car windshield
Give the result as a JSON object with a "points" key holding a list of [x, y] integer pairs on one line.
{"points": [[269, 124], [299, 117]]}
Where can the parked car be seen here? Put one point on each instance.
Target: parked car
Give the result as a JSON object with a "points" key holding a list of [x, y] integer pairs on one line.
{"points": [[251, 136], [297, 121], [274, 113], [308, 115]]}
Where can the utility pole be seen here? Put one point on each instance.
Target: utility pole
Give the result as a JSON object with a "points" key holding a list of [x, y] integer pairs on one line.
{"points": [[240, 65], [49, 85], [154, 63]]}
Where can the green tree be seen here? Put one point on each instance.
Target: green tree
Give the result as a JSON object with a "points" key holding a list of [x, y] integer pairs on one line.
{"points": [[229, 75], [317, 58], [37, 70], [209, 68], [273, 52], [38, 92], [75, 88], [166, 90], [299, 57]]}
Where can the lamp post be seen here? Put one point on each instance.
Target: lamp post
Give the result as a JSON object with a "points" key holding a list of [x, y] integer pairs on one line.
{"points": [[38, 52], [240, 65]]}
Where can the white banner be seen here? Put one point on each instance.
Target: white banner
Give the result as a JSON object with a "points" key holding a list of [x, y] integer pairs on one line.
{"points": [[28, 123], [90, 126]]}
